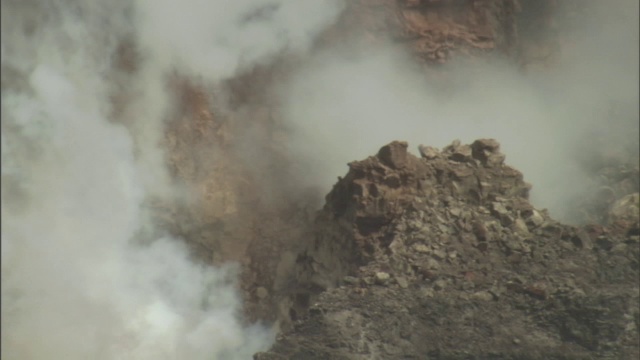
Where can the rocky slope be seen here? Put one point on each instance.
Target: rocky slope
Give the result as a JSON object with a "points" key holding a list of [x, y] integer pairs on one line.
{"points": [[398, 231], [240, 210], [443, 257]]}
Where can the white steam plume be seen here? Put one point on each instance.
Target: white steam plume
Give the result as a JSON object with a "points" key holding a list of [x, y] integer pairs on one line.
{"points": [[344, 107], [75, 284], [212, 40]]}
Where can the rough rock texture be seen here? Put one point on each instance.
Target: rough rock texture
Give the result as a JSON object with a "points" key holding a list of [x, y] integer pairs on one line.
{"points": [[236, 213], [251, 211], [437, 31], [443, 257]]}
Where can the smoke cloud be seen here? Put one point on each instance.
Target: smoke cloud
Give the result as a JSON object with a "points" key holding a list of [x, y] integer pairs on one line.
{"points": [[87, 275], [77, 280], [346, 104]]}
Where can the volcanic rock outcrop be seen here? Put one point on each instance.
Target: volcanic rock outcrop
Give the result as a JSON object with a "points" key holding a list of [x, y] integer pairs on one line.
{"points": [[250, 211], [443, 257], [446, 245]]}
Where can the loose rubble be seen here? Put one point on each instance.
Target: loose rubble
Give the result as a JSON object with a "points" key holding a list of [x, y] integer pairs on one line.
{"points": [[443, 257]]}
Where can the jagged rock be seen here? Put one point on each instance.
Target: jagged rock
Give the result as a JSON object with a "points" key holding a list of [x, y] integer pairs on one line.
{"points": [[461, 154], [519, 226], [482, 295], [474, 253], [402, 282], [428, 152], [382, 278], [533, 219], [421, 248], [394, 155], [487, 151], [431, 264], [502, 213], [455, 212]]}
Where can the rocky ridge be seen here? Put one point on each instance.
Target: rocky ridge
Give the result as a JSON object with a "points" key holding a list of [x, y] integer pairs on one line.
{"points": [[443, 257], [233, 218], [252, 213]]}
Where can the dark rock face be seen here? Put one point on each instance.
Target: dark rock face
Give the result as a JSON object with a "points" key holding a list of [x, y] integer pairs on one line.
{"points": [[254, 214], [456, 210], [443, 257], [394, 155]]}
